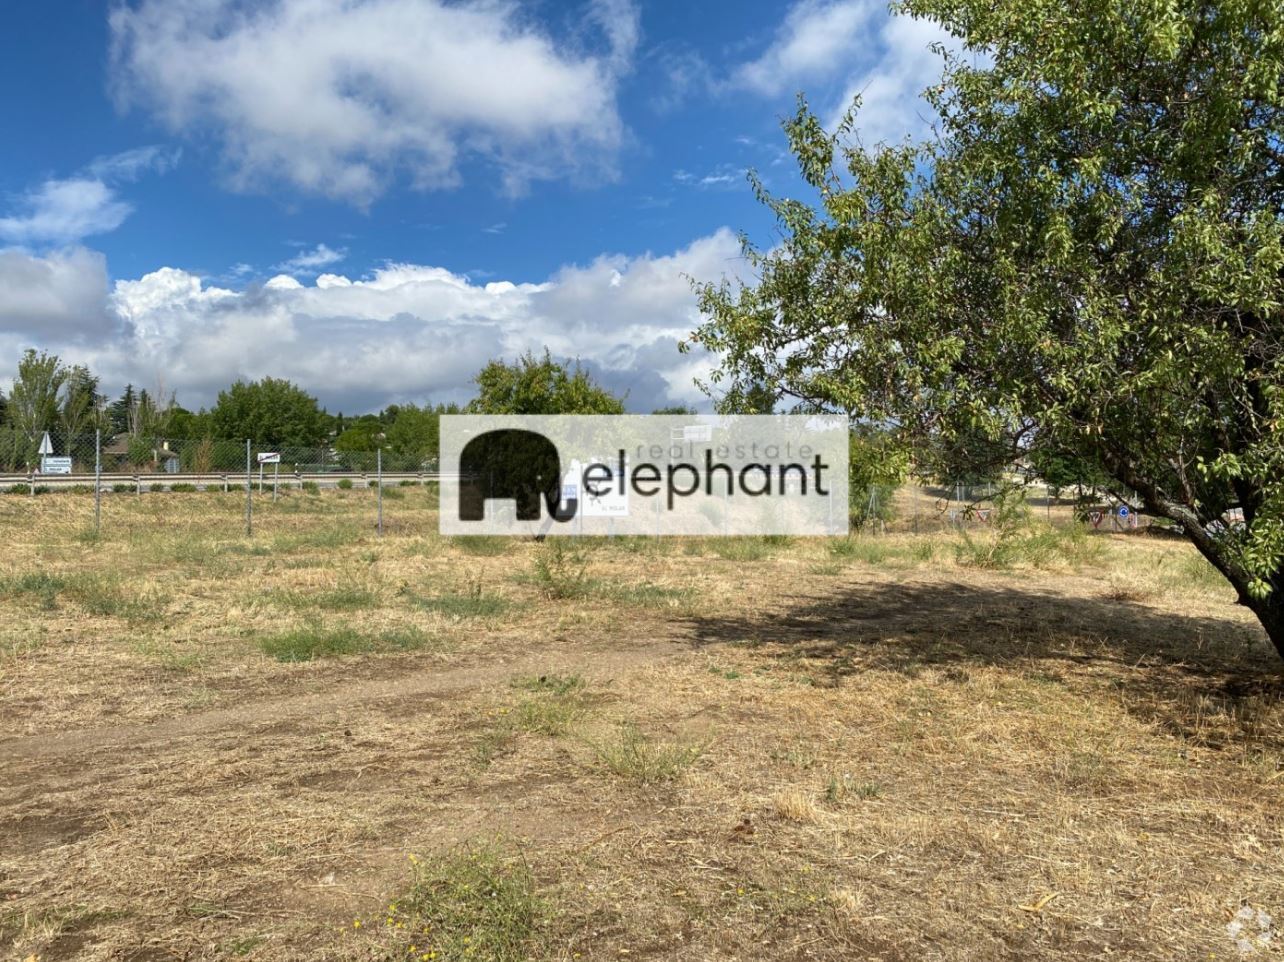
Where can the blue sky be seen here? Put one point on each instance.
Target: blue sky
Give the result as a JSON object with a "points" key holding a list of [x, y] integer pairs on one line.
{"points": [[372, 197]]}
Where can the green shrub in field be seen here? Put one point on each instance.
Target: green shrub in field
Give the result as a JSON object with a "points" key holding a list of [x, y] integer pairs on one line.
{"points": [[473, 602], [633, 755], [405, 483], [121, 487], [468, 905], [156, 486], [99, 595], [1015, 540], [105, 596], [867, 550], [20, 488], [561, 569], [79, 489], [182, 487], [315, 640], [41, 585], [41, 489], [555, 705], [392, 494], [344, 484], [311, 487]]}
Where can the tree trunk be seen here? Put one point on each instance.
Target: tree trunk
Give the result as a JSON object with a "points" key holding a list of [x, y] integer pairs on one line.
{"points": [[1270, 612]]}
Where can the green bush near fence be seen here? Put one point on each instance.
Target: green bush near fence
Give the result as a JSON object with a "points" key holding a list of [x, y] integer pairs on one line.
{"points": [[345, 484]]}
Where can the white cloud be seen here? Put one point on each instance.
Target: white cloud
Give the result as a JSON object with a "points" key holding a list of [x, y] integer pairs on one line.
{"points": [[722, 176], [131, 164], [68, 210], [307, 262], [61, 296], [891, 105], [63, 211], [884, 59], [334, 96], [815, 39], [405, 332]]}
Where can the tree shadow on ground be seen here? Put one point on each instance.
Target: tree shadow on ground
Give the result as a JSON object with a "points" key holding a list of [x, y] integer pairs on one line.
{"points": [[1170, 667]]}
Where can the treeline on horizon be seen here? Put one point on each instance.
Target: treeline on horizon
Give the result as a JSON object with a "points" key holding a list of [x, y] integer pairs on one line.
{"points": [[143, 429]]}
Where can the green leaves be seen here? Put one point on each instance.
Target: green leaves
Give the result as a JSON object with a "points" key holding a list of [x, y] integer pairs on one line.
{"points": [[1091, 251], [534, 385]]}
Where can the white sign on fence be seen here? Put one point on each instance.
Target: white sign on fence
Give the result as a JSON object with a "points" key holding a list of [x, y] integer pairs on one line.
{"points": [[605, 497], [46, 446], [269, 457], [52, 465]]}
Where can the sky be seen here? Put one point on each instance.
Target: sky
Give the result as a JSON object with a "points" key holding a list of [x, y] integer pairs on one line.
{"points": [[373, 198]]}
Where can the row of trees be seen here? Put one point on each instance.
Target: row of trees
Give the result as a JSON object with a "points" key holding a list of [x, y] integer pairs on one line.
{"points": [[64, 399]]}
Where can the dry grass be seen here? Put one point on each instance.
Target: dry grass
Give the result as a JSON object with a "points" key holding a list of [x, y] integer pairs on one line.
{"points": [[221, 748]]}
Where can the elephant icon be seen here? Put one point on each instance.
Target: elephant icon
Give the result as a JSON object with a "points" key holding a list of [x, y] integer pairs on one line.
{"points": [[512, 463]]}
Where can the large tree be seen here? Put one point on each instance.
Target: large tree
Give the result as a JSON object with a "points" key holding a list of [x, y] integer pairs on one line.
{"points": [[1086, 255], [34, 399], [272, 411], [540, 385], [82, 405]]}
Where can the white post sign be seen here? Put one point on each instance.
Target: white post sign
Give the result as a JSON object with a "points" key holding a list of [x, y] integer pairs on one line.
{"points": [[608, 499]]}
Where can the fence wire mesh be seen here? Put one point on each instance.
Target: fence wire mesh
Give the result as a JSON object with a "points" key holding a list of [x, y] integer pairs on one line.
{"points": [[54, 455], [67, 462]]}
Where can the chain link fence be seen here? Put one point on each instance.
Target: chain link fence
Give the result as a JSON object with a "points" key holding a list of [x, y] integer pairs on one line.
{"points": [[90, 462], [56, 459]]}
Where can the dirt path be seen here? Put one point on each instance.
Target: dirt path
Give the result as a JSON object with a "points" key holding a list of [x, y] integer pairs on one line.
{"points": [[41, 755]]}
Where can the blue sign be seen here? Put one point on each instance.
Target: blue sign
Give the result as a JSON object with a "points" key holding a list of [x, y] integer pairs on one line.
{"points": [[1123, 511]]}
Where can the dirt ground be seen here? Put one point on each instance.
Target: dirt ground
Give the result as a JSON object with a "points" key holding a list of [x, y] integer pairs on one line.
{"points": [[323, 744]]}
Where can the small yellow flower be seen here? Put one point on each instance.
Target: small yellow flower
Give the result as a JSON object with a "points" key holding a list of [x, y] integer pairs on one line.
{"points": [[356, 923]]}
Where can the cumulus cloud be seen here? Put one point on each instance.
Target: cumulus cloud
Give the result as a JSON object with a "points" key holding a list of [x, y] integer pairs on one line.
{"points": [[68, 210], [405, 332], [61, 296], [886, 60], [335, 96]]}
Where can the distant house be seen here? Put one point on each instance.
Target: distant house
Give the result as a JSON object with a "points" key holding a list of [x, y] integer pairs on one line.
{"points": [[121, 452], [167, 460]]}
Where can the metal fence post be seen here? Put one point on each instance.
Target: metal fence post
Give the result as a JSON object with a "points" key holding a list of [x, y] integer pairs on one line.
{"points": [[249, 493], [98, 479], [379, 481]]}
